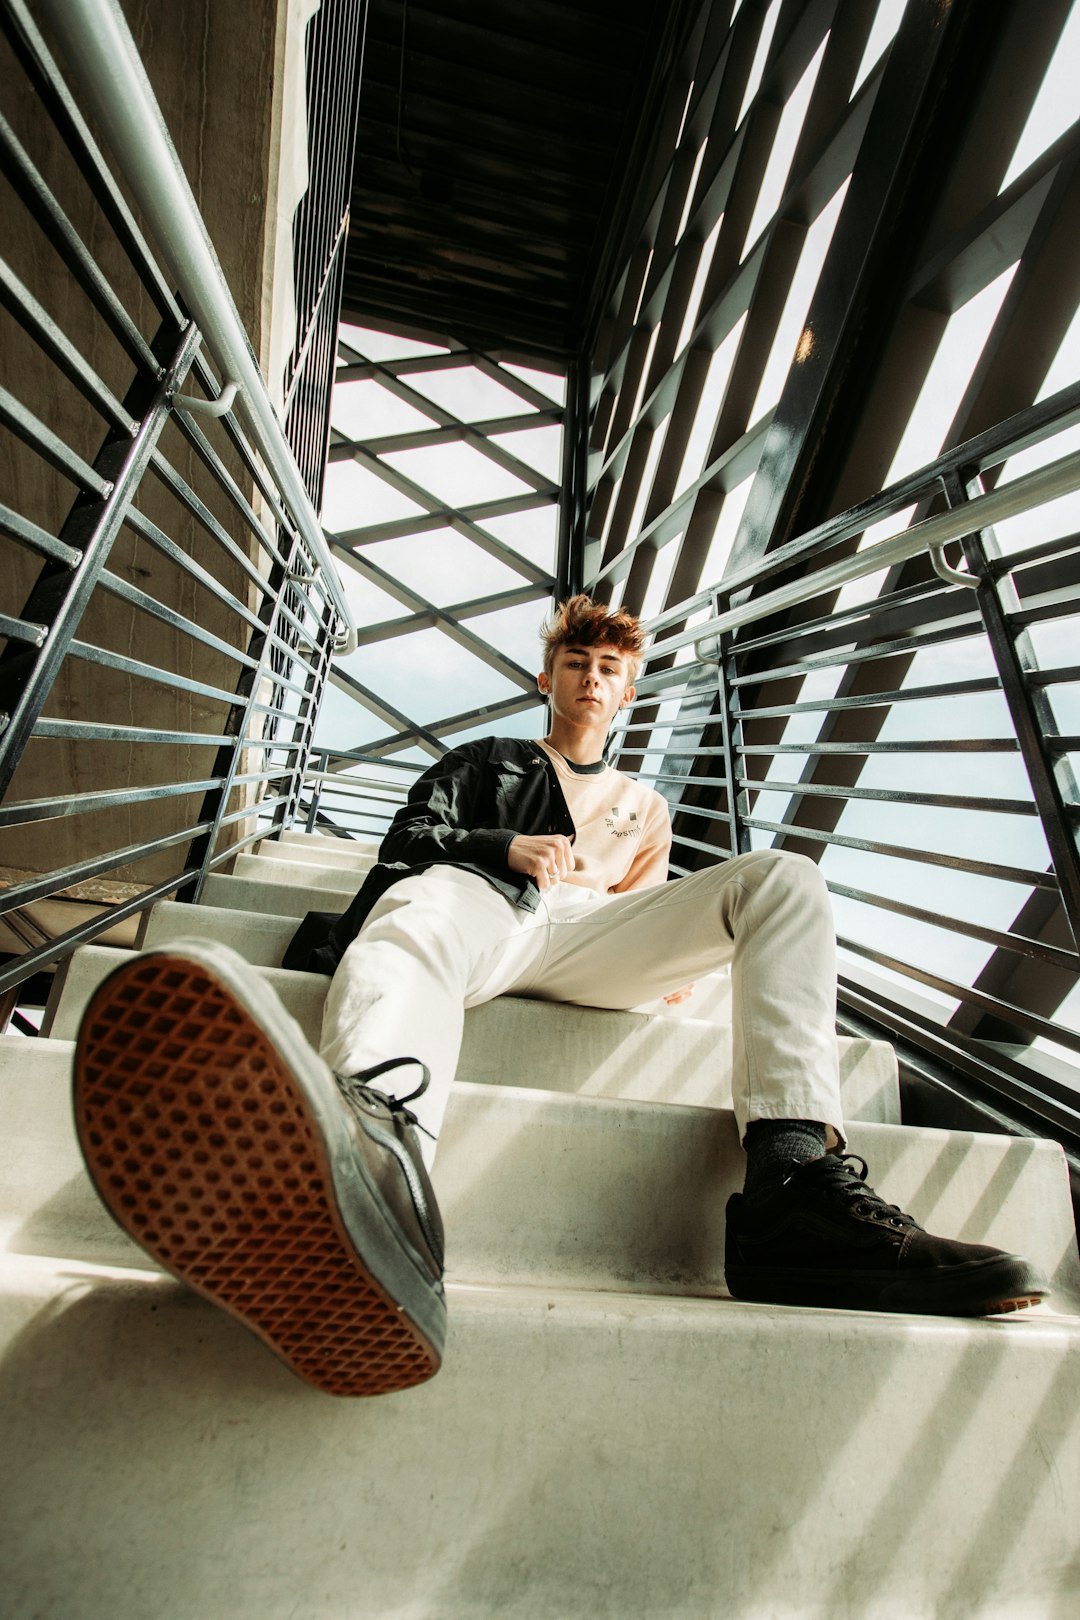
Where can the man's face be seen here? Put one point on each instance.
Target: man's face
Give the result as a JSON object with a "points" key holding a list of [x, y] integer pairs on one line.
{"points": [[588, 685]]}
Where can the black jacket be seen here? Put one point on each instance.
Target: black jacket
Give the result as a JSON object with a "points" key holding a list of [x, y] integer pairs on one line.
{"points": [[463, 811]]}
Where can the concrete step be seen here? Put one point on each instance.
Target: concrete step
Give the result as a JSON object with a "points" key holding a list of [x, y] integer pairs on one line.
{"points": [[349, 855], [262, 939], [295, 839], [301, 874], [579, 1457], [274, 899], [544, 1190], [517, 1042]]}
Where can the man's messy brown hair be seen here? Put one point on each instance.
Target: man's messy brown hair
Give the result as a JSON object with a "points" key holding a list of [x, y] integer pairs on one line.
{"points": [[581, 622]]}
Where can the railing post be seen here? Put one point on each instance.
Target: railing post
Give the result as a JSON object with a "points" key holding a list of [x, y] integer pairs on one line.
{"points": [[323, 759], [730, 736], [60, 595], [1029, 709], [236, 726]]}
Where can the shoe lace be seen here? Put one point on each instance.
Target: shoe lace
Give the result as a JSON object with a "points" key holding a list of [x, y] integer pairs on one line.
{"points": [[842, 1180], [358, 1090]]}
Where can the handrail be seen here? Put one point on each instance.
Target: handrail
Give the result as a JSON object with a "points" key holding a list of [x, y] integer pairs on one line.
{"points": [[1061, 477], [95, 34]]}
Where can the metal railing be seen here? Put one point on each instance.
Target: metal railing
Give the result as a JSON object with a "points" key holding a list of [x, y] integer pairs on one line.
{"points": [[169, 606], [913, 727], [353, 795]]}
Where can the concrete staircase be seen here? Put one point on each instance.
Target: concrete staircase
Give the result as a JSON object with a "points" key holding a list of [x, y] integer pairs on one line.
{"points": [[610, 1435]]}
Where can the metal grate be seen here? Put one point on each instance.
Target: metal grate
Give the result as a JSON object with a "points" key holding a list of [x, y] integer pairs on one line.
{"points": [[334, 56]]}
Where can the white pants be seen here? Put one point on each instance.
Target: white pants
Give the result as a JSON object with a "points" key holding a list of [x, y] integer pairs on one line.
{"points": [[445, 940]]}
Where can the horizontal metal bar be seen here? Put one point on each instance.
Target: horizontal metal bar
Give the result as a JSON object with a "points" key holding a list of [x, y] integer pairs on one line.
{"points": [[51, 219], [24, 967], [89, 731], [935, 919], [889, 613], [932, 801], [702, 723], [149, 672], [55, 344], [49, 885], [1035, 424], [19, 630], [1007, 1011], [849, 657], [994, 1070], [194, 503], [150, 605], [215, 466], [690, 781], [1053, 677], [18, 528], [1022, 495], [720, 852], [52, 449], [872, 700], [70, 804], [942, 745], [1025, 876], [187, 565], [1065, 607], [683, 753], [701, 811], [1016, 561], [95, 35], [359, 757]]}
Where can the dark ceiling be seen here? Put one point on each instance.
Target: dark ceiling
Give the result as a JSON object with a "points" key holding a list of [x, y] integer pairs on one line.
{"points": [[490, 155]]}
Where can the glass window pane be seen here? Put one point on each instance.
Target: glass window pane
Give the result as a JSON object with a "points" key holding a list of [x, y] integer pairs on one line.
{"points": [[384, 345], [366, 410], [779, 165], [456, 474], [1054, 108], [468, 393], [356, 498]]}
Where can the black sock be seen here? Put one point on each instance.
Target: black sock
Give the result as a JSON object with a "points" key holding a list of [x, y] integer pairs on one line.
{"points": [[771, 1144]]}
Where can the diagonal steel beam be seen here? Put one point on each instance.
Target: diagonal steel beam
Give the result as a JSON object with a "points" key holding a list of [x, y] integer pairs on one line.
{"points": [[385, 711], [443, 620], [387, 629]]}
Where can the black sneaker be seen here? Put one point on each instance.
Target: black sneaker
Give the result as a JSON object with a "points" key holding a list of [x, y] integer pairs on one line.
{"points": [[821, 1236], [221, 1142]]}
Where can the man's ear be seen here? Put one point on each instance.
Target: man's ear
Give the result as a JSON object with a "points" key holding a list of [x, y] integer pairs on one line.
{"points": [[627, 697], [543, 683]]}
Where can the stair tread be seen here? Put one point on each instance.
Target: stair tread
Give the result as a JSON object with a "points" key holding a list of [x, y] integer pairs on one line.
{"points": [[634, 1054], [643, 1444], [549, 1188]]}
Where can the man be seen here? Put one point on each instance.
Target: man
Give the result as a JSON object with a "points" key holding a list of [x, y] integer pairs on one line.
{"points": [[287, 1187]]}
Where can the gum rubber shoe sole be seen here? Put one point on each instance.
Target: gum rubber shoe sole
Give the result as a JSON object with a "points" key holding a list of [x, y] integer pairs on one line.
{"points": [[202, 1145]]}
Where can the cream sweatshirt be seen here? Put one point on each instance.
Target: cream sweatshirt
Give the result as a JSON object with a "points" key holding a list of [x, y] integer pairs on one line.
{"points": [[623, 829]]}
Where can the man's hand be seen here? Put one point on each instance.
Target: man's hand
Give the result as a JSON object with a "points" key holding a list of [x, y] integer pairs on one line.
{"points": [[675, 996], [546, 859]]}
